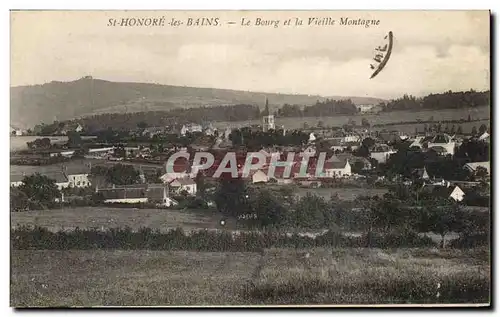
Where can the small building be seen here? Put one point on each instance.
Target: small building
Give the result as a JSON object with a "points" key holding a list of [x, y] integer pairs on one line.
{"points": [[15, 131], [334, 167], [472, 167], [309, 151], [259, 177], [184, 184], [60, 179], [421, 173], [381, 153], [16, 180], [138, 193], [191, 128]]}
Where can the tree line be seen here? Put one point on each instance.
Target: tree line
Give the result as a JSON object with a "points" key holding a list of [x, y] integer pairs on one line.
{"points": [[447, 100]]}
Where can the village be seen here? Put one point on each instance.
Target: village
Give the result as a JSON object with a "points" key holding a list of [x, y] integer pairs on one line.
{"points": [[354, 157]]}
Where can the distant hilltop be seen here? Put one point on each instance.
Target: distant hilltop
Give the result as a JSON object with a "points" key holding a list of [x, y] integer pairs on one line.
{"points": [[31, 105]]}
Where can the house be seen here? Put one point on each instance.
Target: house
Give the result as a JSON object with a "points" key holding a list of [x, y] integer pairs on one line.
{"points": [[191, 128], [358, 160], [455, 193], [472, 167], [72, 127], [381, 153], [60, 178], [127, 194], [421, 173], [443, 144], [152, 131], [259, 177], [312, 137], [484, 137], [309, 151], [16, 180], [159, 194], [348, 138], [365, 108], [184, 184], [334, 167], [138, 193], [99, 153], [78, 176], [15, 131]]}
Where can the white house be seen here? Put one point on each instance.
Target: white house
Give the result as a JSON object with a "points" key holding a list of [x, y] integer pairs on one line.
{"points": [[484, 137], [312, 137], [184, 184], [442, 141], [138, 193], [457, 194], [15, 131], [350, 138], [60, 179], [365, 108], [337, 169], [191, 128], [79, 180], [381, 152]]}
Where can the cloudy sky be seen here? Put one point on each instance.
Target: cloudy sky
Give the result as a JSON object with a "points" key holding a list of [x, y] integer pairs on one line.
{"points": [[433, 51]]}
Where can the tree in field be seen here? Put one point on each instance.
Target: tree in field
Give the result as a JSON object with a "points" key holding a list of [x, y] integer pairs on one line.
{"points": [[231, 197], [365, 123], [459, 130], [43, 143], [483, 128], [474, 130], [481, 172], [122, 174], [18, 200], [74, 139], [38, 191], [268, 208], [321, 124], [309, 212], [142, 125], [442, 218]]}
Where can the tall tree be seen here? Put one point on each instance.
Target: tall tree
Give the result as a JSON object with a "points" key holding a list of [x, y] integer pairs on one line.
{"points": [[39, 190]]}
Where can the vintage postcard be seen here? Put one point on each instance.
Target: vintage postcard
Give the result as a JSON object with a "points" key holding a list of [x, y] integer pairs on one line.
{"points": [[250, 158]]}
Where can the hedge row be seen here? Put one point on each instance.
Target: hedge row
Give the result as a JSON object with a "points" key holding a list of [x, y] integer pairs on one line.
{"points": [[23, 238]]}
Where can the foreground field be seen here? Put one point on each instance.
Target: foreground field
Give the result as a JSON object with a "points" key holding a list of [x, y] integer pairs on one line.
{"points": [[275, 276], [103, 217], [478, 113]]}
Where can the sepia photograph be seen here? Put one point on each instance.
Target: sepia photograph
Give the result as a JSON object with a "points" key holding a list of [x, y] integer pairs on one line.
{"points": [[246, 158]]}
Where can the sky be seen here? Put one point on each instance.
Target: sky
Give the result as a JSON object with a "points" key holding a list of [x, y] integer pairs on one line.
{"points": [[434, 51]]}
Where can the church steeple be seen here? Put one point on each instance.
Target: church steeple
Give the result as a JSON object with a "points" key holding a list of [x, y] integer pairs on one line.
{"points": [[266, 108]]}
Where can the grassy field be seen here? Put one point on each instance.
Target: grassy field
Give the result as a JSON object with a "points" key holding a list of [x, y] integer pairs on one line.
{"points": [[76, 163], [382, 118], [343, 193], [275, 276], [99, 217]]}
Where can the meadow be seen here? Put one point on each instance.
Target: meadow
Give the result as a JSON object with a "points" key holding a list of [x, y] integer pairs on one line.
{"points": [[479, 113], [106, 217], [343, 193], [335, 276]]}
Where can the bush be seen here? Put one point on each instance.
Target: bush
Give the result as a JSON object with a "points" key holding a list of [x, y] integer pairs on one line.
{"points": [[26, 238], [470, 241]]}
